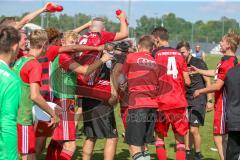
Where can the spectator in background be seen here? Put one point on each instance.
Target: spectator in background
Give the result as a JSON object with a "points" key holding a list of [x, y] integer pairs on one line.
{"points": [[199, 53]]}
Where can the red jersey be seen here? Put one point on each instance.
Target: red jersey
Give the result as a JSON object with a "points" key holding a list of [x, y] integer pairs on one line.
{"points": [[31, 72], [46, 60], [88, 57], [171, 83], [65, 60], [226, 63], [141, 71]]}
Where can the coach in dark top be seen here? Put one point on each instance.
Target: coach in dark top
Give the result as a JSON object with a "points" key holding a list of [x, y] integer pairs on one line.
{"points": [[232, 88], [197, 106]]}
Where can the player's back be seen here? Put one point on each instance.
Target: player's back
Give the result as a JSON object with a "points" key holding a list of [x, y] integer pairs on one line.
{"points": [[171, 81]]}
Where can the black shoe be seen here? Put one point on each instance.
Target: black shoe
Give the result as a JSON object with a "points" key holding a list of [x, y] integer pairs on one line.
{"points": [[198, 156], [188, 155]]}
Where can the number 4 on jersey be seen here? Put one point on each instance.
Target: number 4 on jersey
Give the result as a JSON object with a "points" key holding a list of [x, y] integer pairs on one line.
{"points": [[172, 67]]}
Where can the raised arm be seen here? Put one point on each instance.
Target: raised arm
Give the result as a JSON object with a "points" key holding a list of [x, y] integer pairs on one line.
{"points": [[123, 33], [83, 27], [31, 16]]}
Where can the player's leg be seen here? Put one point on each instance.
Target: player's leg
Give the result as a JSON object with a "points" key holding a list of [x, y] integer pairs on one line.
{"points": [[78, 112], [220, 142], [139, 131], [197, 120], [197, 141], [136, 152], [146, 152], [110, 148], [188, 139], [219, 133], [28, 156], [88, 147], [68, 150], [180, 147], [161, 129], [180, 125], [40, 145]]}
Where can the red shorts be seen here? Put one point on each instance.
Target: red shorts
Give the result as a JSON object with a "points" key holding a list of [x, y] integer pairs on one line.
{"points": [[219, 123], [99, 91], [26, 139], [176, 117], [66, 129], [42, 129], [124, 114]]}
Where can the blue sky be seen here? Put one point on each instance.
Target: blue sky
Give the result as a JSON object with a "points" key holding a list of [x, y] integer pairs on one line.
{"points": [[189, 10]]}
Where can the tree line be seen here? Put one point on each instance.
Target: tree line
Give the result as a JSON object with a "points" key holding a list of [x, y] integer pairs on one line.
{"points": [[179, 28]]}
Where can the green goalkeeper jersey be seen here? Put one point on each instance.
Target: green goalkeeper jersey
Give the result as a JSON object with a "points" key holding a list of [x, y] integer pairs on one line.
{"points": [[10, 91]]}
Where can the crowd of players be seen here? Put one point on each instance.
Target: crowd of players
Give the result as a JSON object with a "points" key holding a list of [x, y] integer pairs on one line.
{"points": [[86, 75]]}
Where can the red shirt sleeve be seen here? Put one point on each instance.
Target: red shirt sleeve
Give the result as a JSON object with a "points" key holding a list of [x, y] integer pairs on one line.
{"points": [[65, 60], [107, 37], [52, 52], [31, 72], [223, 69]]}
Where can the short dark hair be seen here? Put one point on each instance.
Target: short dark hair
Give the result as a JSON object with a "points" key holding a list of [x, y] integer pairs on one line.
{"points": [[183, 44], [9, 36], [146, 42], [161, 32], [7, 20], [53, 34]]}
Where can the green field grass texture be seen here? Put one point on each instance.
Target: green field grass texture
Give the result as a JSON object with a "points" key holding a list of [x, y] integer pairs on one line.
{"points": [[122, 148]]}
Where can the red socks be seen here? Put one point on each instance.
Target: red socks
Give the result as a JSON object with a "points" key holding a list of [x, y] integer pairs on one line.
{"points": [[160, 150], [181, 151]]}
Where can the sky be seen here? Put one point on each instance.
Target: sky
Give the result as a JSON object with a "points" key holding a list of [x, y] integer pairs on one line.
{"points": [[190, 10]]}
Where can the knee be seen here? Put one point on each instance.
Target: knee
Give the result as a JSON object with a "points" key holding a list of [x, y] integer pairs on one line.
{"points": [[194, 130], [71, 146], [92, 140], [112, 140]]}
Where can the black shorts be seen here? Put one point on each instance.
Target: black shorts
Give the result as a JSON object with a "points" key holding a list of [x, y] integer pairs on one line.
{"points": [[233, 146], [140, 126], [196, 115], [98, 119]]}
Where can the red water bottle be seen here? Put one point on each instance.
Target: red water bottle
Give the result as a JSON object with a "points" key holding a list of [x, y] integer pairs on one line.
{"points": [[118, 12], [54, 8], [51, 7], [59, 8]]}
